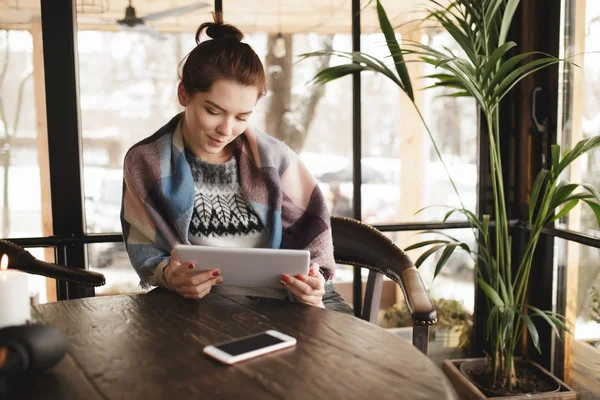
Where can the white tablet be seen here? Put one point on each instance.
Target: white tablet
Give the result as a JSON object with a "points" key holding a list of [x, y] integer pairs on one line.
{"points": [[247, 268]]}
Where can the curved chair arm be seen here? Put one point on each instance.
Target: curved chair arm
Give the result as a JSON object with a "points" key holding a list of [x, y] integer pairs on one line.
{"points": [[359, 244], [22, 260]]}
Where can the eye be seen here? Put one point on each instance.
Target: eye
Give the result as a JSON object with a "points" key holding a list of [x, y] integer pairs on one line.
{"points": [[241, 119], [211, 112]]}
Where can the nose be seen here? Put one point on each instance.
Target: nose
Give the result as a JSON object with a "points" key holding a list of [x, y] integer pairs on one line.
{"points": [[225, 127]]}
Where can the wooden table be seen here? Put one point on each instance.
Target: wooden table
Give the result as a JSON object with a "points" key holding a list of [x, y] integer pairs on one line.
{"points": [[150, 347]]}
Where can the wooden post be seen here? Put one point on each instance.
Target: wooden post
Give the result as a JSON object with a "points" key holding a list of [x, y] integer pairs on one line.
{"points": [[576, 112], [412, 134], [42, 144]]}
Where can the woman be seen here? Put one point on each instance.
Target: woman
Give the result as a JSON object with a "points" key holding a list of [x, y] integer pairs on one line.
{"points": [[207, 178]]}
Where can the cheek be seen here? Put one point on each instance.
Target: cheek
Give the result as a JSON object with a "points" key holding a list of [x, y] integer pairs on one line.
{"points": [[199, 122], [239, 128]]}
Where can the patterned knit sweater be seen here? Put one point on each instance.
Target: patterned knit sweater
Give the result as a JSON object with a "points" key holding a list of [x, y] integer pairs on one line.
{"points": [[221, 215], [159, 191]]}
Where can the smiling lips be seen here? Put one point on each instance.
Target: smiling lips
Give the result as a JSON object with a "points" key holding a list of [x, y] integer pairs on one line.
{"points": [[218, 142]]}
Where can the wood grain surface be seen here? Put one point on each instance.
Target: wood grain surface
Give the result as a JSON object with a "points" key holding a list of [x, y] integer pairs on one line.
{"points": [[150, 347]]}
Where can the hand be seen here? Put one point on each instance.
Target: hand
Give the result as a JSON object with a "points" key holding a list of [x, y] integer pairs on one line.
{"points": [[308, 289], [190, 286]]}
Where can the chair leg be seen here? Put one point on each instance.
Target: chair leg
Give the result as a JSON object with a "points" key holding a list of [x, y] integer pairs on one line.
{"points": [[420, 337], [372, 297]]}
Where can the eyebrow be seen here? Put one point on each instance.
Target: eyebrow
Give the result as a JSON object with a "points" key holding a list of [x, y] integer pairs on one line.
{"points": [[224, 110]]}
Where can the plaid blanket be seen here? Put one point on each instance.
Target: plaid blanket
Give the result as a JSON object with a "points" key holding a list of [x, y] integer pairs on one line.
{"points": [[158, 198]]}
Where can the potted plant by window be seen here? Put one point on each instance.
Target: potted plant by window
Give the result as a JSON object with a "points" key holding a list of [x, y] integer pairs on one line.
{"points": [[485, 72]]}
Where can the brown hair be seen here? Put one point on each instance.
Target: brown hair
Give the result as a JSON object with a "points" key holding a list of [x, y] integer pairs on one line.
{"points": [[223, 57]]}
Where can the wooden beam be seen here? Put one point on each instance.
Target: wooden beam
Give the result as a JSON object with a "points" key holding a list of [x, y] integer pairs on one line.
{"points": [[576, 112], [42, 145]]}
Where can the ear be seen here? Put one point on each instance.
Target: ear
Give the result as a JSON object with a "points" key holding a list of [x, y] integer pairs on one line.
{"points": [[182, 95]]}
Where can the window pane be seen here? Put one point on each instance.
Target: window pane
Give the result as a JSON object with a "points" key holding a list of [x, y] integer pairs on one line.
{"points": [[23, 135], [313, 120], [580, 103], [401, 171], [128, 89], [578, 265], [127, 92]]}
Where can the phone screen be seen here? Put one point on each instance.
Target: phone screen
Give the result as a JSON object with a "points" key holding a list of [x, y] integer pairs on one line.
{"points": [[249, 344]]}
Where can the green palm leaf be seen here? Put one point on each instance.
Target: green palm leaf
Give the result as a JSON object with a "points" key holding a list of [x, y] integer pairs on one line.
{"points": [[390, 37], [533, 332], [535, 191], [595, 208], [425, 243], [538, 312], [426, 255], [580, 148], [509, 13], [490, 293], [444, 258]]}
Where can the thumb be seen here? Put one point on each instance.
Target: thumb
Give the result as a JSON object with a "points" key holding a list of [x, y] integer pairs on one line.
{"points": [[174, 256]]}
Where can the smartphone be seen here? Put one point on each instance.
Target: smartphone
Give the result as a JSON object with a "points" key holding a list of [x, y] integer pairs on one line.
{"points": [[249, 346]]}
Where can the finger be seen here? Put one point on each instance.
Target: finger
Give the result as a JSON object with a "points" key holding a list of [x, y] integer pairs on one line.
{"points": [[196, 289], [195, 296], [301, 287], [196, 278], [315, 283], [178, 281], [174, 255], [313, 269], [303, 297], [179, 269]]}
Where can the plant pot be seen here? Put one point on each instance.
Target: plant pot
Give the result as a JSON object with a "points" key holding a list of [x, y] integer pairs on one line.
{"points": [[468, 390], [586, 368]]}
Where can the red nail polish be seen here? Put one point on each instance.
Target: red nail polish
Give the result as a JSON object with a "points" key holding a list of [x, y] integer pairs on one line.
{"points": [[285, 278], [216, 273], [300, 278], [191, 266], [312, 272]]}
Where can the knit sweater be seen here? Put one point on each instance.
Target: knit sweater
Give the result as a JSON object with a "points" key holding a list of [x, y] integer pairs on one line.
{"points": [[221, 215], [158, 199]]}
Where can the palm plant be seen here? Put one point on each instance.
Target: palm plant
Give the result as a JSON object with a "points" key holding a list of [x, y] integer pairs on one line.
{"points": [[485, 72]]}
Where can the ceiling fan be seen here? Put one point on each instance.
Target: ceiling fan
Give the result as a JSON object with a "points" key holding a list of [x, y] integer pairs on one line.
{"points": [[132, 21]]}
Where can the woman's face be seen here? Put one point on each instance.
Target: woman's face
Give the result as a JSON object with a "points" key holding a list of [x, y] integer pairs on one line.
{"points": [[212, 120]]}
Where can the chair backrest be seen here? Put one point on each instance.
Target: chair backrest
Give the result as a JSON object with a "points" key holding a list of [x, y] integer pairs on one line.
{"points": [[359, 244]]}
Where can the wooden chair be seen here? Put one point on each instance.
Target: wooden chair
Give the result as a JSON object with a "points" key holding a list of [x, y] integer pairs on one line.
{"points": [[359, 244]]}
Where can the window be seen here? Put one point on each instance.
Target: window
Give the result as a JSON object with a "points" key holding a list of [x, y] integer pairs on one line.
{"points": [[23, 139], [128, 91], [579, 265]]}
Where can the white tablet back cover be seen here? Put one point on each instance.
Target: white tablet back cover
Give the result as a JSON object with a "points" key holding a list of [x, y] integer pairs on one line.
{"points": [[242, 267]]}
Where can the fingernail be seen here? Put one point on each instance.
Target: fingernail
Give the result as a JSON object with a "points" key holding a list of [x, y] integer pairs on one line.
{"points": [[216, 273], [191, 266], [285, 278], [220, 280], [312, 272], [300, 278]]}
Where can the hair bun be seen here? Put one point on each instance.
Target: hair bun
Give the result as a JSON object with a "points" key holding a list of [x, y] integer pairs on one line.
{"points": [[218, 30]]}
